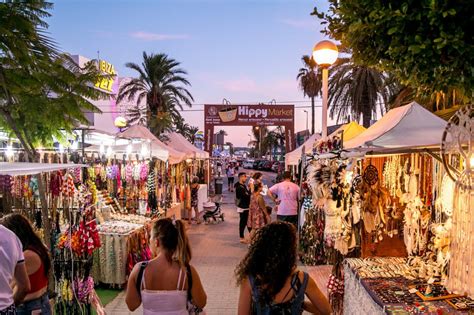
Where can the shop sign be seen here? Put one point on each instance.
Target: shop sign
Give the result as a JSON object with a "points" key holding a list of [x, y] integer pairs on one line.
{"points": [[241, 115], [249, 115], [106, 83]]}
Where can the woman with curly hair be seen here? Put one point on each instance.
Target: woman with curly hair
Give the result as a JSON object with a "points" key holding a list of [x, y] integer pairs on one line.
{"points": [[270, 282]]}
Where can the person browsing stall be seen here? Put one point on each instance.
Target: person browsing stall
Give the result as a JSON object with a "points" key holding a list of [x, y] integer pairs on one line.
{"points": [[12, 270], [258, 215], [285, 194], [269, 279], [242, 201], [168, 282], [256, 178], [230, 177]]}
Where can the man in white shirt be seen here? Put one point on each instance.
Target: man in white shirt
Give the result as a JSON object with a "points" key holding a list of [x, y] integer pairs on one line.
{"points": [[12, 267], [285, 194]]}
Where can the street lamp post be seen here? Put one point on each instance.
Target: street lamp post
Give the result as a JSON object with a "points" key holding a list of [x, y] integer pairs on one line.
{"points": [[259, 140], [325, 54], [306, 119]]}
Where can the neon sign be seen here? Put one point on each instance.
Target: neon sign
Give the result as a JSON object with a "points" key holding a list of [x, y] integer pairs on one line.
{"points": [[106, 83]]}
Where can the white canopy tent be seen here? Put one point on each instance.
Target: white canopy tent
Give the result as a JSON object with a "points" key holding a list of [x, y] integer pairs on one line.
{"points": [[23, 169], [152, 149], [178, 142], [409, 126], [141, 132], [293, 157]]}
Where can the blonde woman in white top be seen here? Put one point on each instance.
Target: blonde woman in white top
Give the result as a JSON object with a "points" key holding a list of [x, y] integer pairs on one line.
{"points": [[163, 283]]}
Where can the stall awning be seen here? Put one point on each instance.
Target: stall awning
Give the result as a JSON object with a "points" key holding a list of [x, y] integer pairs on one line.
{"points": [[141, 132], [178, 142], [22, 169], [409, 126], [153, 150], [349, 131], [293, 157]]}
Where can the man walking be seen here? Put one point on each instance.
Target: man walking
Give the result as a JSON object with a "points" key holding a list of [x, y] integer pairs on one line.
{"points": [[285, 195], [242, 201]]}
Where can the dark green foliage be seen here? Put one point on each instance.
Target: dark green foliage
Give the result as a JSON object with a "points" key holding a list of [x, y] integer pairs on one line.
{"points": [[427, 44], [160, 83]]}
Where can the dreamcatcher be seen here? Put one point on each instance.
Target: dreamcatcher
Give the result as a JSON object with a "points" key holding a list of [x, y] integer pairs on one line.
{"points": [[458, 141], [457, 149], [371, 175]]}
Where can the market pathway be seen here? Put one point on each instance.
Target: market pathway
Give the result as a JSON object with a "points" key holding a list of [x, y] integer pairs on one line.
{"points": [[216, 252]]}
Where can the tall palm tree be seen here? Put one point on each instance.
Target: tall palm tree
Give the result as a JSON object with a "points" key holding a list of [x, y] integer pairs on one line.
{"points": [[309, 78], [259, 133], [275, 139], [162, 84], [356, 90]]}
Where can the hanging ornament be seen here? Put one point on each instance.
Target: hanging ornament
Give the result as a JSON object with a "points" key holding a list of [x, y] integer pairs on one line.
{"points": [[458, 140], [371, 175]]}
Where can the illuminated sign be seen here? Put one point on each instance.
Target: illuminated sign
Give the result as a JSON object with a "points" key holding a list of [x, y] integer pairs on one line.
{"points": [[248, 115], [106, 83]]}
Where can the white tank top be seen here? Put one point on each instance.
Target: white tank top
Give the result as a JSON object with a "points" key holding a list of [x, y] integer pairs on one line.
{"points": [[165, 302]]}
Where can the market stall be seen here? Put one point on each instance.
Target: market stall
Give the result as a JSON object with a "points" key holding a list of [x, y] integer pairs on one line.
{"points": [[292, 158], [198, 164], [396, 200], [73, 236]]}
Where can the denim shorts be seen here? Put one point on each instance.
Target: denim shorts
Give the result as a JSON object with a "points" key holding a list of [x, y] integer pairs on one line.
{"points": [[39, 304]]}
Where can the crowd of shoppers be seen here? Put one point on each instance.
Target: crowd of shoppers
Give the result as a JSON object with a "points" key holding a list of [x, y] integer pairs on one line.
{"points": [[269, 280]]}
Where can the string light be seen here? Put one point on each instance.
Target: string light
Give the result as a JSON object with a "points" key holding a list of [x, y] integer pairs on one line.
{"points": [[9, 152], [144, 151]]}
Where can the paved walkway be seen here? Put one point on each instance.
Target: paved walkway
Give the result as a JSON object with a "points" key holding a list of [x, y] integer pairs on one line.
{"points": [[216, 253]]}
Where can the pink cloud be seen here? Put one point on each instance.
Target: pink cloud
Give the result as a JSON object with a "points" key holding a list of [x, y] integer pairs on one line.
{"points": [[146, 36]]}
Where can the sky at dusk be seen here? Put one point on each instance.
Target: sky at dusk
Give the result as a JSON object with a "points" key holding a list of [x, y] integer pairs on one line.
{"points": [[244, 51]]}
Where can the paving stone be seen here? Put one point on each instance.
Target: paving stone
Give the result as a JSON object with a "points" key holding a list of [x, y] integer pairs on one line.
{"points": [[216, 252]]}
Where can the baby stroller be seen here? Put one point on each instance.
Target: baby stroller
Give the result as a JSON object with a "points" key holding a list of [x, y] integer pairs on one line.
{"points": [[213, 212]]}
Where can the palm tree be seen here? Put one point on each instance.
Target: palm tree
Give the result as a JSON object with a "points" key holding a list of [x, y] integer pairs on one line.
{"points": [[259, 133], [356, 90], [136, 115], [275, 139], [310, 83], [163, 85]]}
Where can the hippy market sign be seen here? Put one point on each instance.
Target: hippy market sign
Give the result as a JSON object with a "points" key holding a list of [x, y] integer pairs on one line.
{"points": [[249, 115]]}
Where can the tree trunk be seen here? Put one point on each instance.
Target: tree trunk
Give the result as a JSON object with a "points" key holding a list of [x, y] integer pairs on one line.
{"points": [[366, 111], [312, 115]]}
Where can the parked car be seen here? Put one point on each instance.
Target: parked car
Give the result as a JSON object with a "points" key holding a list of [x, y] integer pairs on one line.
{"points": [[256, 163], [262, 165], [275, 166], [248, 164], [278, 167], [267, 165]]}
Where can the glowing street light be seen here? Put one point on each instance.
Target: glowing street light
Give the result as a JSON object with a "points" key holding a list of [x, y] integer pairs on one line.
{"points": [[325, 53], [9, 152]]}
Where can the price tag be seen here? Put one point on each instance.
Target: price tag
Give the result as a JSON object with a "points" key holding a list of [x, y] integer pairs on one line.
{"points": [[413, 290]]}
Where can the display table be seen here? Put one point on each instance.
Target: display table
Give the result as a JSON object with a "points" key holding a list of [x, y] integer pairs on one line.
{"points": [[123, 243], [383, 291]]}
